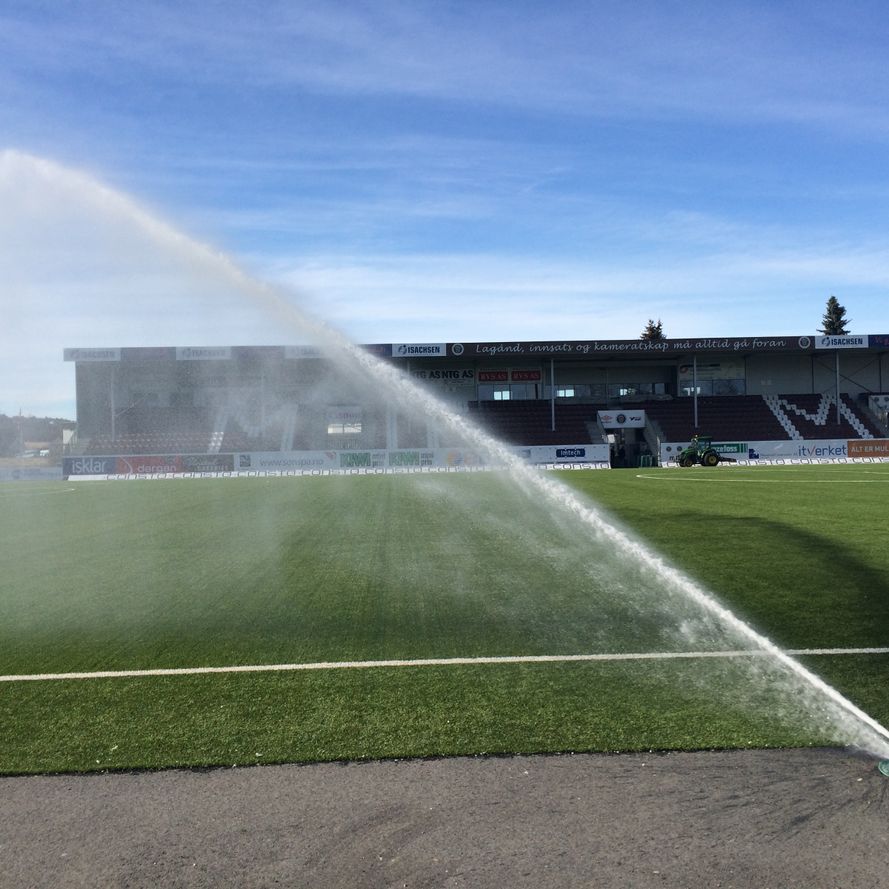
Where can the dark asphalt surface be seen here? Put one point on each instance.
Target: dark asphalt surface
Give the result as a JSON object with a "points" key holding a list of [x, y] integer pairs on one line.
{"points": [[797, 818]]}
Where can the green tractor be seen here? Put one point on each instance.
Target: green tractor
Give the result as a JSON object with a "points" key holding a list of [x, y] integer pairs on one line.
{"points": [[701, 451]]}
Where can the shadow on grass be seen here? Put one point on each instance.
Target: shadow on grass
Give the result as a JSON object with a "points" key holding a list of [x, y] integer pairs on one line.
{"points": [[804, 589]]}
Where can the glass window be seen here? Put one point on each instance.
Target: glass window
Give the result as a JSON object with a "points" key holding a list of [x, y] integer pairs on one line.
{"points": [[501, 393], [347, 428], [568, 390], [523, 391]]}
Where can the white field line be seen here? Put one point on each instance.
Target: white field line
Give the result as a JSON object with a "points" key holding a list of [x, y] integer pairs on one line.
{"points": [[431, 662]]}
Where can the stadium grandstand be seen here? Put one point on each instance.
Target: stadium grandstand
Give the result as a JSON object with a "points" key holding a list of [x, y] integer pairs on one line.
{"points": [[623, 402]]}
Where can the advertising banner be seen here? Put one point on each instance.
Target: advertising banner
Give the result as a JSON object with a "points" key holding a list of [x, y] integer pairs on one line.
{"points": [[565, 348], [89, 465], [203, 353], [464, 376], [367, 459], [419, 350], [412, 458], [818, 449], [556, 454], [92, 355], [525, 376], [286, 460], [409, 459], [208, 463], [493, 376], [130, 465], [869, 447], [302, 463], [622, 419], [841, 342]]}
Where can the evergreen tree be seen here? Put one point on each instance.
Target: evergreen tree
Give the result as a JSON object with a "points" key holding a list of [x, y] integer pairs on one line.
{"points": [[834, 321], [653, 333]]}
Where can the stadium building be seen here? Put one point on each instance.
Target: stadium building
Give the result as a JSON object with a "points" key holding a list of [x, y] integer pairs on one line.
{"points": [[587, 402]]}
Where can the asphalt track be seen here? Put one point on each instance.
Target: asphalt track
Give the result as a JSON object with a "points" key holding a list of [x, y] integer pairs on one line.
{"points": [[757, 819]]}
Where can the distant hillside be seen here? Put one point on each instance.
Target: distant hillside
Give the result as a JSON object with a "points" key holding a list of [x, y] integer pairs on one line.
{"points": [[16, 432]]}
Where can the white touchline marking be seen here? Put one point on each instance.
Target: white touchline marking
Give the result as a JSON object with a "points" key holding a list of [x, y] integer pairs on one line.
{"points": [[430, 662]]}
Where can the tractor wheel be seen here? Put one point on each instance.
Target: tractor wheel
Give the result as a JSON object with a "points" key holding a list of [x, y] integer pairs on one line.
{"points": [[686, 461], [711, 458]]}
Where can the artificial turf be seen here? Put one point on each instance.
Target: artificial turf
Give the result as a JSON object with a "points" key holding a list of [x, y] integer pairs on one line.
{"points": [[239, 571]]}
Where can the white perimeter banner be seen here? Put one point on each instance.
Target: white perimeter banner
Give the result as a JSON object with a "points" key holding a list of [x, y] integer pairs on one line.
{"points": [[410, 458], [820, 449], [579, 456]]}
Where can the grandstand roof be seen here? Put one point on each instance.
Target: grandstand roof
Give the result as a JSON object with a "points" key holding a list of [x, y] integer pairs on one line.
{"points": [[575, 349]]}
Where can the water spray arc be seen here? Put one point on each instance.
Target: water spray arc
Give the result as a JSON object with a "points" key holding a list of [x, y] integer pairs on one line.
{"points": [[858, 727], [817, 699]]}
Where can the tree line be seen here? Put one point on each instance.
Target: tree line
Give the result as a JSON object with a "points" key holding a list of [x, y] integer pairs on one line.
{"points": [[834, 323], [15, 431]]}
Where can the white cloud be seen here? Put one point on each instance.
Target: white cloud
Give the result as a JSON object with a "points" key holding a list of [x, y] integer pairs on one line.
{"points": [[86, 266], [476, 297], [726, 61]]}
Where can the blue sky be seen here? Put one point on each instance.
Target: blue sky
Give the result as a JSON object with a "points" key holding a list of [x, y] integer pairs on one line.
{"points": [[436, 172]]}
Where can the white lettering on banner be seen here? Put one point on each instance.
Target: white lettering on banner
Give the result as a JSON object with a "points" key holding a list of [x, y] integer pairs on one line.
{"points": [[841, 342], [91, 465], [202, 353], [92, 355], [499, 349], [409, 350]]}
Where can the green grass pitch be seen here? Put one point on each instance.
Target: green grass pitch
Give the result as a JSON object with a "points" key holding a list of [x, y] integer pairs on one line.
{"points": [[192, 573]]}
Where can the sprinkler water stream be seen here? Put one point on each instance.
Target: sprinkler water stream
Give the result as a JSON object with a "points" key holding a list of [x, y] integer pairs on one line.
{"points": [[818, 700]]}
